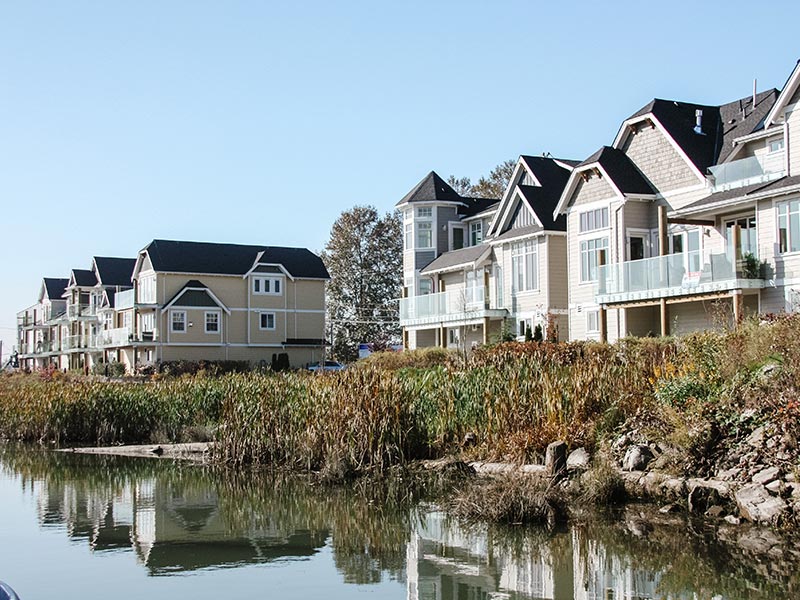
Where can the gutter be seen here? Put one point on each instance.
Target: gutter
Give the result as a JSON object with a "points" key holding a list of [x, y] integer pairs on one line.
{"points": [[737, 200]]}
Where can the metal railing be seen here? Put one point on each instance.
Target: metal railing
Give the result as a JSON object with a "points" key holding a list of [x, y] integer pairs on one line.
{"points": [[747, 171], [671, 275]]}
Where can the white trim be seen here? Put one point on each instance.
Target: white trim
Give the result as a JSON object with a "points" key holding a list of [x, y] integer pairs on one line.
{"points": [[281, 310], [262, 278], [171, 326], [523, 236], [563, 205], [258, 263], [274, 320], [173, 302], [737, 200], [218, 314], [786, 94], [625, 130]]}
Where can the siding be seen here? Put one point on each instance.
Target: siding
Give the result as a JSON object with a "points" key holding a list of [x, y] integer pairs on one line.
{"points": [[657, 159], [557, 271], [596, 188], [793, 143], [443, 215]]}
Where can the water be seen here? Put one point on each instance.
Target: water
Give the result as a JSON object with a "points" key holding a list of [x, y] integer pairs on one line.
{"points": [[105, 527]]}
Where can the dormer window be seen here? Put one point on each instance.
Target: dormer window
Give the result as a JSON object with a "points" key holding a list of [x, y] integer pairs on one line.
{"points": [[269, 286], [424, 212]]}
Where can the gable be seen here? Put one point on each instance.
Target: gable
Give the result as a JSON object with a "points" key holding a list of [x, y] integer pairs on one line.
{"points": [[593, 189], [522, 217], [657, 159]]}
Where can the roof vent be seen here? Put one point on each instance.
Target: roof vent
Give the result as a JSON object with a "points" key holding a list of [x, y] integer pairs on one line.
{"points": [[698, 127]]}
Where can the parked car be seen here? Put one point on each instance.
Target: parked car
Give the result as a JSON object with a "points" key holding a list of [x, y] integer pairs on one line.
{"points": [[328, 365]]}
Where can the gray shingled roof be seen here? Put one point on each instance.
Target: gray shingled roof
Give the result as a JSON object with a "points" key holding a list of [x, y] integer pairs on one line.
{"points": [[55, 287], [114, 271], [84, 277], [454, 258], [193, 293], [231, 259], [519, 232], [431, 188], [621, 170]]}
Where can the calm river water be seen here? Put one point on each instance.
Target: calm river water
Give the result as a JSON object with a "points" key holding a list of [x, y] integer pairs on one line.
{"points": [[87, 527]]}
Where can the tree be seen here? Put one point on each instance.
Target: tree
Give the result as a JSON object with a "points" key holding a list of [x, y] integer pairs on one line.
{"points": [[492, 186], [364, 257]]}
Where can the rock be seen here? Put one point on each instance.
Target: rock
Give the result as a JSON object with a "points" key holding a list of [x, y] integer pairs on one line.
{"points": [[767, 475], [621, 442], [775, 487], [757, 505], [702, 497], [733, 520], [728, 474], [555, 459], [715, 512], [758, 541], [756, 439], [790, 477], [637, 458], [669, 508], [578, 460]]}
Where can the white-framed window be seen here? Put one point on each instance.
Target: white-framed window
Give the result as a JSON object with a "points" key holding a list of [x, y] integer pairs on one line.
{"points": [[212, 321], [424, 234], [425, 286], [424, 212], [453, 336], [590, 255], [789, 226], [408, 236], [775, 145], [592, 321], [592, 220], [268, 286], [475, 233], [177, 321], [524, 266], [266, 320]]}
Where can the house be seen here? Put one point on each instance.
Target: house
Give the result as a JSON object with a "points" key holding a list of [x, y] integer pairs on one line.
{"points": [[181, 300], [477, 269], [667, 227]]}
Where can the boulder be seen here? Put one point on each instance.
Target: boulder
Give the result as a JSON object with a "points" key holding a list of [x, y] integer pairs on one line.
{"points": [[775, 487], [702, 498], [715, 512], [767, 475], [555, 459], [733, 520], [670, 508], [637, 457], [757, 505], [756, 439], [578, 460]]}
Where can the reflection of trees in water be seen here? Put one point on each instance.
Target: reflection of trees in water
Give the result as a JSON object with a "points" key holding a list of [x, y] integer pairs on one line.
{"points": [[229, 518]]}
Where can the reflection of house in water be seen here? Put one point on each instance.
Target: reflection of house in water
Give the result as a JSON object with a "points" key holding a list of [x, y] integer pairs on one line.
{"points": [[171, 527], [447, 562]]}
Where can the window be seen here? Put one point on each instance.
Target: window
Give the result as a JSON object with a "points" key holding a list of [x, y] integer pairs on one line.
{"points": [[212, 322], [475, 233], [592, 220], [177, 320], [424, 235], [789, 226], [425, 212], [270, 286], [593, 321], [425, 286], [775, 145], [266, 320], [590, 255], [458, 238], [408, 242], [453, 336], [748, 235], [524, 267]]}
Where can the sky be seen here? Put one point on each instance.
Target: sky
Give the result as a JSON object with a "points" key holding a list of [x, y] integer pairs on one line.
{"points": [[260, 122]]}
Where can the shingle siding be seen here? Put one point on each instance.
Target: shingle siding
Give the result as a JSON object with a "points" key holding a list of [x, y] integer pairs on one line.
{"points": [[656, 158]]}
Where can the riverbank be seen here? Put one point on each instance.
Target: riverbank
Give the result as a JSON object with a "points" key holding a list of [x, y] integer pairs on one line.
{"points": [[687, 405]]}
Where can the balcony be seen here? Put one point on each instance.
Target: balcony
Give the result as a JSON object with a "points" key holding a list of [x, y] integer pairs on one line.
{"points": [[81, 311], [454, 306], [124, 300], [123, 336], [747, 171], [673, 275]]}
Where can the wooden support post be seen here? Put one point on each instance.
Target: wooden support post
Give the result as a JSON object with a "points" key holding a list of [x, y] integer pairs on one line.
{"points": [[443, 336], [485, 330], [602, 316], [738, 307], [664, 317], [663, 246], [405, 338], [736, 235]]}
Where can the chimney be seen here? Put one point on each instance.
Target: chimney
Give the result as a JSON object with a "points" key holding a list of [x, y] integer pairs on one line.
{"points": [[698, 115]]}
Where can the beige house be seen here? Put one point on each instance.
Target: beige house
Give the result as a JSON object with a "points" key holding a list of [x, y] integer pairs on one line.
{"points": [[477, 269], [668, 227], [189, 301]]}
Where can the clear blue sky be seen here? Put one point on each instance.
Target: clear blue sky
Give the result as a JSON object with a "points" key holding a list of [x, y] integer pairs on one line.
{"points": [[259, 122]]}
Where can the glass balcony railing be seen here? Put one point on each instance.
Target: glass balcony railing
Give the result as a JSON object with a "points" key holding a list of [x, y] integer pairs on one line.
{"points": [[124, 300], [671, 275], [747, 171], [444, 305]]}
